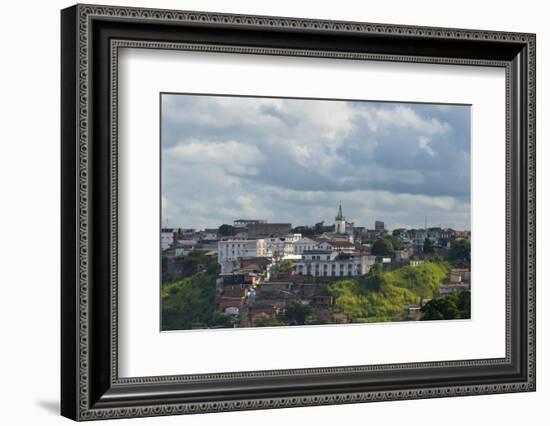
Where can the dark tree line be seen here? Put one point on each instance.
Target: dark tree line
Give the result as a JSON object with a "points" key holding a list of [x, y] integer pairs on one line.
{"points": [[453, 306]]}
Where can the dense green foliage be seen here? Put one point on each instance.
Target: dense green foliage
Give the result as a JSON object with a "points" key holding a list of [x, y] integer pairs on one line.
{"points": [[297, 313], [423, 280], [382, 247], [453, 306], [395, 242], [460, 250], [268, 322], [196, 261], [381, 296], [287, 265], [190, 300], [429, 247], [306, 231], [226, 230]]}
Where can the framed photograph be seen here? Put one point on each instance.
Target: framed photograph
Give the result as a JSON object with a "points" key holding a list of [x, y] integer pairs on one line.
{"points": [[263, 212]]}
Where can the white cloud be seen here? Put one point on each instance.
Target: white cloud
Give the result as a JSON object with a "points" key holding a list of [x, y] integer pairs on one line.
{"points": [[221, 111], [424, 144], [404, 117], [235, 157]]}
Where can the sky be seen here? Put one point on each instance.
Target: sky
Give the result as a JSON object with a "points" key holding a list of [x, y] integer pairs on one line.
{"points": [[295, 160]]}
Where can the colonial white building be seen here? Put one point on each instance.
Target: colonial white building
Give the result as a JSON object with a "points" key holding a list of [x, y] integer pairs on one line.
{"points": [[279, 247], [304, 244], [325, 263], [337, 245], [230, 251]]}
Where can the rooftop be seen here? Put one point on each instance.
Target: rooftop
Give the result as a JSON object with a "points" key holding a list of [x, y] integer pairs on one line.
{"points": [[340, 243], [317, 252]]}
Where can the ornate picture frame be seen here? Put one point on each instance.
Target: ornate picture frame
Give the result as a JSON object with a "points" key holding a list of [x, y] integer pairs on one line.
{"points": [[91, 37]]}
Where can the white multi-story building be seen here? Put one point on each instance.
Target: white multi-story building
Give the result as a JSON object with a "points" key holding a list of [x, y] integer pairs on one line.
{"points": [[336, 245], [324, 263], [304, 244], [166, 238], [279, 247], [231, 251], [293, 237]]}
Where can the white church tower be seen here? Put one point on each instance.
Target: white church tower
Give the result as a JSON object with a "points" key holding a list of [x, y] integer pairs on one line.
{"points": [[340, 222]]}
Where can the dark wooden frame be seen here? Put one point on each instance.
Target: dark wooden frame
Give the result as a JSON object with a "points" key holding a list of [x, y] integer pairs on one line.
{"points": [[90, 386]]}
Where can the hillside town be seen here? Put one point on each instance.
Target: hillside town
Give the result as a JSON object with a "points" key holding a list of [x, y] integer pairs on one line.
{"points": [[256, 273]]}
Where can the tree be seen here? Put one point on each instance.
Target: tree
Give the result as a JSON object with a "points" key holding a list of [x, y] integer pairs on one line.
{"points": [[226, 230], [460, 250], [428, 246], [395, 242], [167, 269], [196, 254], [175, 269], [298, 313], [189, 301], [267, 322], [463, 304], [219, 319], [440, 309], [453, 306], [382, 247], [286, 265], [304, 230], [397, 231], [375, 278]]}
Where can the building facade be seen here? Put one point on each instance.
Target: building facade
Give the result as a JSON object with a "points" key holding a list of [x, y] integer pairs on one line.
{"points": [[325, 263], [231, 251], [166, 238], [264, 230]]}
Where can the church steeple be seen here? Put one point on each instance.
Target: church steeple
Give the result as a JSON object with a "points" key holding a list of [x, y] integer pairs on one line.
{"points": [[340, 216], [340, 221]]}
